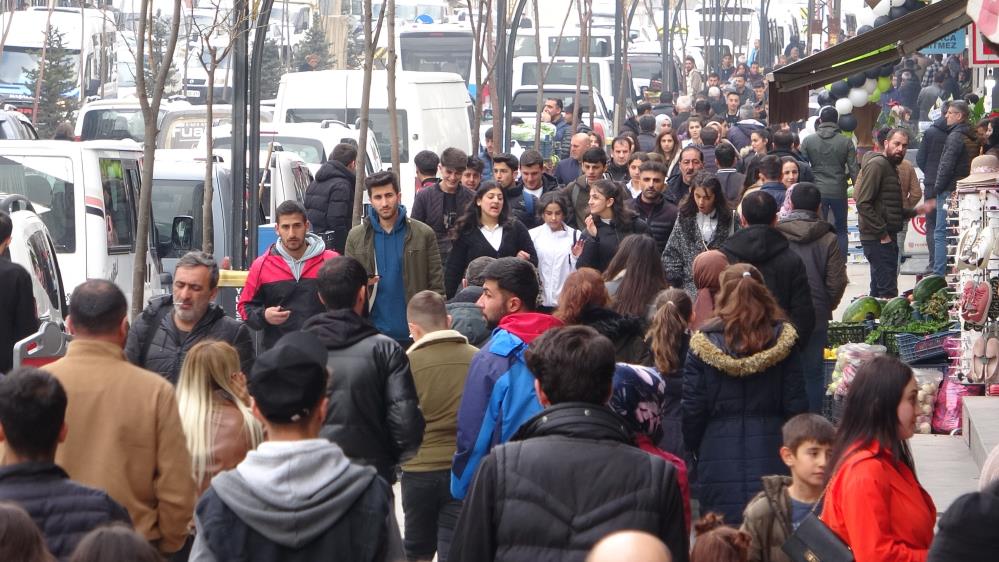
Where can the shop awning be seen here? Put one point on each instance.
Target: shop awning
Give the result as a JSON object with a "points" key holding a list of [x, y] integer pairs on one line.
{"points": [[789, 85]]}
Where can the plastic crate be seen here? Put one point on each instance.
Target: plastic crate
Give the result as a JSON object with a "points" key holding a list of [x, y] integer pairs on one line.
{"points": [[846, 332], [912, 348], [546, 148]]}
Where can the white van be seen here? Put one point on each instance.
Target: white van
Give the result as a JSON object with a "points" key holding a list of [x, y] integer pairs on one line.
{"points": [[115, 119], [86, 193], [434, 111], [32, 248], [562, 70]]}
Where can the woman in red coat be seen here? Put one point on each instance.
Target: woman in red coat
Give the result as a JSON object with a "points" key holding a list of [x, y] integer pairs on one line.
{"points": [[874, 501]]}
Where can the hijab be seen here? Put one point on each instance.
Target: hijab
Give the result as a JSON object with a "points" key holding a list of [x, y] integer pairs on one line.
{"points": [[707, 267]]}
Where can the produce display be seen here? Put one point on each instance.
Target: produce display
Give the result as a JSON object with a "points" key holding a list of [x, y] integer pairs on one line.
{"points": [[928, 382], [849, 358], [897, 312], [927, 287], [860, 308]]}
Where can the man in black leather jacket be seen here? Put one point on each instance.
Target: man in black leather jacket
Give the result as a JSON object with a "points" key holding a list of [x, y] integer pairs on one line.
{"points": [[329, 199], [374, 413]]}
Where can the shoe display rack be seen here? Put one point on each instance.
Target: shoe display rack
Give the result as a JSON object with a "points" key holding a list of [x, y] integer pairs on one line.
{"points": [[973, 276]]}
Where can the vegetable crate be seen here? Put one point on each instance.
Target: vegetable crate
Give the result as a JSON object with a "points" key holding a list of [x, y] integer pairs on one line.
{"points": [[546, 147], [846, 332], [912, 348]]}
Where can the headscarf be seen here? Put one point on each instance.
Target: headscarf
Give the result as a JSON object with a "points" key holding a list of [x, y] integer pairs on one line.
{"points": [[707, 267], [639, 397]]}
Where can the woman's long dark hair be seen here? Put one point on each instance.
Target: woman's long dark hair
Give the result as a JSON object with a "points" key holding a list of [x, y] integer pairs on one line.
{"points": [[609, 188], [871, 413], [556, 197], [471, 217], [704, 180], [644, 277]]}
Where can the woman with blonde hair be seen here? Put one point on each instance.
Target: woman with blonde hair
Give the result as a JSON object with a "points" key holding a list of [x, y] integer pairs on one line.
{"points": [[215, 411], [741, 382]]}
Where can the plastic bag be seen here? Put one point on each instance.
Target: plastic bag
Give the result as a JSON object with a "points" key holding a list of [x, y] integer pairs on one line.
{"points": [[928, 382], [947, 412], [849, 357]]}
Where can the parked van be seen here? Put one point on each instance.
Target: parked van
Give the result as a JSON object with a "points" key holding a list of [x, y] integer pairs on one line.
{"points": [[525, 99], [433, 111], [31, 247], [86, 193], [183, 128], [118, 119]]}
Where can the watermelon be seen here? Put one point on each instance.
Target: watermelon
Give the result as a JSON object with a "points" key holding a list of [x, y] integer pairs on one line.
{"points": [[896, 312], [927, 287], [860, 307]]}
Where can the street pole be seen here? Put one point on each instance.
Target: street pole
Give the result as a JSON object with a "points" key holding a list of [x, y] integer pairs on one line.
{"points": [[506, 94], [667, 41], [502, 139], [239, 148], [618, 71], [259, 35]]}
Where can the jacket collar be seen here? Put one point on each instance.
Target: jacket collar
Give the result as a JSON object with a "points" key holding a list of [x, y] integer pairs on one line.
{"points": [[79, 348], [715, 354], [440, 336], [34, 470], [576, 419]]}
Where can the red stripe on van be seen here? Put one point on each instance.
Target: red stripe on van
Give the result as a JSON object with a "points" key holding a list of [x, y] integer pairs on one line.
{"points": [[94, 201]]}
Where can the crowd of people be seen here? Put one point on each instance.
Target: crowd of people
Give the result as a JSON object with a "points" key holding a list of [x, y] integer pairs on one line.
{"points": [[616, 357]]}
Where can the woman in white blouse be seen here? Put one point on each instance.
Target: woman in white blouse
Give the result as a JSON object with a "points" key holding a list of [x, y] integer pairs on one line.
{"points": [[558, 246]]}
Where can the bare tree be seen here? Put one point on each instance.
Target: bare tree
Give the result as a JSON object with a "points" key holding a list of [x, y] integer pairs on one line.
{"points": [[150, 105], [484, 57], [370, 40], [9, 12], [624, 88], [390, 71], [543, 68]]}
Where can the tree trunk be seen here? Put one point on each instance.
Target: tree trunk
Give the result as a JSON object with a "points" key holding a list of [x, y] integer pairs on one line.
{"points": [[585, 46], [579, 68], [207, 220], [543, 68], [623, 89], [390, 71], [362, 142]]}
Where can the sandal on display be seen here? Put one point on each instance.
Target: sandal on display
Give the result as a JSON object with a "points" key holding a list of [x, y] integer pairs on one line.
{"points": [[991, 359], [978, 360], [982, 251], [966, 244]]}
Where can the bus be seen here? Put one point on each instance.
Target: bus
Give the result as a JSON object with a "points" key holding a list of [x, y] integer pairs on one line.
{"points": [[436, 48]]}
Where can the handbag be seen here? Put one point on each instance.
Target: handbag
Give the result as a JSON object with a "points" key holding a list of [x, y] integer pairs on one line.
{"points": [[813, 541]]}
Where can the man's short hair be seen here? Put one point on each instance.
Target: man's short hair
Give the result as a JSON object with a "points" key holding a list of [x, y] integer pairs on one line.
{"points": [[558, 103], [828, 114], [515, 276], [643, 107], [32, 411], [771, 166], [724, 155], [344, 153], [689, 58], [379, 179], [476, 269], [652, 166], [571, 109], [714, 74], [805, 196], [709, 136], [759, 207], [426, 162], [783, 139], [506, 158], [702, 107], [626, 139], [899, 131], [475, 164], [807, 427], [6, 226], [339, 280], [97, 307], [489, 134], [454, 158], [647, 123], [747, 111], [594, 156], [290, 207], [731, 92], [573, 364], [692, 148], [198, 258], [428, 310], [531, 158], [962, 106]]}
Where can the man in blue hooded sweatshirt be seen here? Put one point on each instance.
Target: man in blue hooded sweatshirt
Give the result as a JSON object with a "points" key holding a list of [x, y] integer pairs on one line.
{"points": [[400, 255]]}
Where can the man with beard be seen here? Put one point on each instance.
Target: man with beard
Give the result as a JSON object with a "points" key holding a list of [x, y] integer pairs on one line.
{"points": [[657, 211], [691, 162], [621, 149], [171, 324]]}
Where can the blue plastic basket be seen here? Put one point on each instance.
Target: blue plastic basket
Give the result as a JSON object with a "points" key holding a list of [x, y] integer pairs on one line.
{"points": [[912, 348]]}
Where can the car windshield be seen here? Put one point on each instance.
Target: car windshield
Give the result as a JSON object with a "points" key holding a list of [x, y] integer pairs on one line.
{"points": [[558, 73], [17, 61], [378, 122], [113, 123]]}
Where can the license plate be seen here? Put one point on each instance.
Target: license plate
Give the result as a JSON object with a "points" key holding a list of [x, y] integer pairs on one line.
{"points": [[192, 93]]}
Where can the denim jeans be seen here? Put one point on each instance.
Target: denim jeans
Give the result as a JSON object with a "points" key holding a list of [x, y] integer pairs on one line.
{"points": [[431, 514], [838, 207], [940, 233], [931, 223], [813, 366], [883, 259]]}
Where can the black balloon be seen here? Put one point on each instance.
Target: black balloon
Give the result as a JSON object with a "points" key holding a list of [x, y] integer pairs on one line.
{"points": [[848, 122], [856, 80], [881, 20], [872, 72], [898, 12], [913, 5], [864, 29], [886, 69], [840, 89], [824, 98]]}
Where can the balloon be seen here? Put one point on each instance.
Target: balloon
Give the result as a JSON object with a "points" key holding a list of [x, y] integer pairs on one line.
{"points": [[847, 123], [912, 5], [864, 29], [875, 96], [858, 97], [856, 80], [828, 86], [844, 106], [881, 9], [840, 89], [886, 70], [823, 98], [870, 85], [896, 13], [847, 134], [884, 83], [896, 3], [881, 20]]}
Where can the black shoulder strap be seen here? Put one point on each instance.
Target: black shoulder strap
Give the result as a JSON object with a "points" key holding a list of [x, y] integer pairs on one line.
{"points": [[154, 325]]}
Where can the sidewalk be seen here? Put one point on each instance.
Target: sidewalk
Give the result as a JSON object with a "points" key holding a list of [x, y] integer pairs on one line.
{"points": [[944, 467]]}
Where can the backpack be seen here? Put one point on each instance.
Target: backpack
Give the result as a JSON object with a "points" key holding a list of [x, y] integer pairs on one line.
{"points": [[528, 202]]}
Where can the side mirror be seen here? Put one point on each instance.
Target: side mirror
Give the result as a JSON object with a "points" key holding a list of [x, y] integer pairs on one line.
{"points": [[166, 280], [182, 234]]}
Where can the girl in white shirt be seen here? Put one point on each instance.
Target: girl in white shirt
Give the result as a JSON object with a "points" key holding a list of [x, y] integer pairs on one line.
{"points": [[557, 245]]}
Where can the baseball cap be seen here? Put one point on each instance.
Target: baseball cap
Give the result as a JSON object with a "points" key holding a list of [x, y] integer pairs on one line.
{"points": [[289, 380]]}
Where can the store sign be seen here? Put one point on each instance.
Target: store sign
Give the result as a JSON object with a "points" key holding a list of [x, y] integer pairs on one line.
{"points": [[981, 54], [953, 43]]}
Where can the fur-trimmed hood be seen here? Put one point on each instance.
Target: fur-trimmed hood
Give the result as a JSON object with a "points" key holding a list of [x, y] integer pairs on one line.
{"points": [[709, 346]]}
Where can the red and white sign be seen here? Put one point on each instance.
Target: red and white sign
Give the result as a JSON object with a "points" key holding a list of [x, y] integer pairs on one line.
{"points": [[981, 54]]}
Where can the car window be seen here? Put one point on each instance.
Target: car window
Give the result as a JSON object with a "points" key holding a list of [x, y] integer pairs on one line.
{"points": [[119, 210], [115, 124], [378, 124], [43, 266], [177, 198], [47, 181], [558, 73]]}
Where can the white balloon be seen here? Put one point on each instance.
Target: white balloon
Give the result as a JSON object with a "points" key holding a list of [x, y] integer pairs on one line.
{"points": [[870, 85], [894, 3], [858, 97], [844, 106], [882, 8]]}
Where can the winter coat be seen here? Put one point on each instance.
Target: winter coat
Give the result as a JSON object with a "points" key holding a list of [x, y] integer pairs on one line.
{"points": [[815, 242], [374, 412], [524, 206], [929, 153], [620, 173], [833, 158], [927, 98], [467, 317], [439, 362], [685, 243], [548, 183], [63, 510], [804, 168], [329, 202], [731, 182], [156, 344], [599, 250], [18, 309], [471, 244], [909, 182], [428, 208], [776, 190], [499, 394], [877, 507], [879, 199], [967, 528], [959, 150], [646, 142], [567, 170], [740, 132], [767, 519], [627, 333], [733, 410], [765, 248], [672, 414], [659, 216], [230, 439], [542, 497]]}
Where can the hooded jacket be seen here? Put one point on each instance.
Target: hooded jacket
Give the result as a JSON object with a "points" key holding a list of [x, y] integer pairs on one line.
{"points": [[879, 199], [156, 344], [548, 183], [814, 240], [776, 190], [928, 155], [296, 500], [329, 202], [767, 519], [374, 412], [627, 333], [499, 394], [599, 250], [734, 406], [524, 206], [765, 248], [467, 317], [568, 478], [967, 528], [833, 158], [959, 149], [276, 279]]}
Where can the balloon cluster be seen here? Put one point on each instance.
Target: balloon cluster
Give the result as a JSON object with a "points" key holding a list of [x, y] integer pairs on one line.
{"points": [[862, 88]]}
